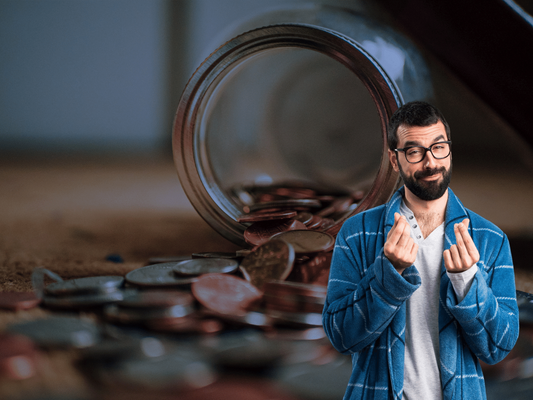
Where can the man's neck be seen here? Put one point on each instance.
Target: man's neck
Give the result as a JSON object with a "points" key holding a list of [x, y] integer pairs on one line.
{"points": [[429, 214]]}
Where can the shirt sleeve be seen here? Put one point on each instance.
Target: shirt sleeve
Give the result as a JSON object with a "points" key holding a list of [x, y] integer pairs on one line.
{"points": [[461, 281]]}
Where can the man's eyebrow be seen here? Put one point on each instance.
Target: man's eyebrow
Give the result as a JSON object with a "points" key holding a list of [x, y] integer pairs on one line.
{"points": [[411, 143]]}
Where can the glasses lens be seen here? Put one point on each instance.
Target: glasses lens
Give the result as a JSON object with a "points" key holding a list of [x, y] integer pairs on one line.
{"points": [[415, 154], [440, 150]]}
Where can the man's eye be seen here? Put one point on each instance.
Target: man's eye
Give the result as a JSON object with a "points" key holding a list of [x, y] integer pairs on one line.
{"points": [[438, 147], [413, 151]]}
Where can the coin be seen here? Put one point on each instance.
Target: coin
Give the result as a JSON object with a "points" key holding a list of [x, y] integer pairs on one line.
{"points": [[226, 294], [271, 260], [284, 288], [215, 254], [284, 204], [266, 216], [338, 205], [84, 300], [304, 217], [296, 319], [261, 232], [18, 356], [90, 284], [306, 241], [58, 331], [156, 299], [206, 265], [186, 325], [313, 270], [250, 318], [15, 301], [157, 275], [127, 315], [177, 371]]}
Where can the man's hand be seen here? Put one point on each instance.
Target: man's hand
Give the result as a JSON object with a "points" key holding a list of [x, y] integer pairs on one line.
{"points": [[400, 248], [464, 254]]}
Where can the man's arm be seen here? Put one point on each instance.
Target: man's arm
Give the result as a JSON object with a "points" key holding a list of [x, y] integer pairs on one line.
{"points": [[488, 314], [363, 295]]}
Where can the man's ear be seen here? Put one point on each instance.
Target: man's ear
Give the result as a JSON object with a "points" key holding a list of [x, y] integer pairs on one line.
{"points": [[393, 158]]}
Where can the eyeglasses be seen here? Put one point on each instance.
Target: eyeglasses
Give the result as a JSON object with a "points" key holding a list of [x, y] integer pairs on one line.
{"points": [[415, 154]]}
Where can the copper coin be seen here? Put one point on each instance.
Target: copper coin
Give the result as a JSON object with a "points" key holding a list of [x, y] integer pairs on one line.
{"points": [[18, 356], [206, 265], [15, 301], [295, 304], [266, 216], [261, 232], [126, 315], [90, 284], [156, 299], [295, 192], [226, 294], [304, 217], [314, 270], [307, 241], [340, 204], [157, 275], [186, 325], [272, 260], [314, 223], [284, 204], [282, 288]]}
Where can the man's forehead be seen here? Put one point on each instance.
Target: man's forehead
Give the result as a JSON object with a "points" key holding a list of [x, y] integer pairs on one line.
{"points": [[418, 134]]}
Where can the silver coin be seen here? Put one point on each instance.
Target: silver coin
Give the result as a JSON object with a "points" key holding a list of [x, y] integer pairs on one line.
{"points": [[90, 284], [157, 275], [59, 331], [199, 266], [85, 300], [115, 313], [156, 298]]}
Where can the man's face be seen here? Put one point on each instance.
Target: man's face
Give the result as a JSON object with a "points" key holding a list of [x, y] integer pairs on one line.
{"points": [[428, 179]]}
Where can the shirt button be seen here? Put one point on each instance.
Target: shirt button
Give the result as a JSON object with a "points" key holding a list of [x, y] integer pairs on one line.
{"points": [[419, 237], [411, 217], [415, 225]]}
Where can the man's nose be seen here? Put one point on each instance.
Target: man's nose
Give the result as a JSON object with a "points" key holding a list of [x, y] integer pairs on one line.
{"points": [[429, 161]]}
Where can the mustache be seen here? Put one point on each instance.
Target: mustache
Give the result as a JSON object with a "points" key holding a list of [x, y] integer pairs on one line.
{"points": [[429, 172]]}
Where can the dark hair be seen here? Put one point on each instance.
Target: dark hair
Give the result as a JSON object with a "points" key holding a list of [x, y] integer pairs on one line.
{"points": [[414, 113]]}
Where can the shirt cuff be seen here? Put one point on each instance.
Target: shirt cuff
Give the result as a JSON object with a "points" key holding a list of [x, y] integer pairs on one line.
{"points": [[461, 281]]}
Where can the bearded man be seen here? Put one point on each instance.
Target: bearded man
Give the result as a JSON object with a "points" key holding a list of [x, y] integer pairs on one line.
{"points": [[421, 288]]}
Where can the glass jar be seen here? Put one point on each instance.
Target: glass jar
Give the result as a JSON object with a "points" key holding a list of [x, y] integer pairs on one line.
{"points": [[296, 95]]}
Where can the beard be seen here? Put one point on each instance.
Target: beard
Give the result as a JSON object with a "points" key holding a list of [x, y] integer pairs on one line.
{"points": [[427, 190]]}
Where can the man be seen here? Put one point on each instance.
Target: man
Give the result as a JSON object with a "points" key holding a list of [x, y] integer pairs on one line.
{"points": [[420, 288]]}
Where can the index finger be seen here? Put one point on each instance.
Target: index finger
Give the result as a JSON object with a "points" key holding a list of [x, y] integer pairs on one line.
{"points": [[465, 236]]}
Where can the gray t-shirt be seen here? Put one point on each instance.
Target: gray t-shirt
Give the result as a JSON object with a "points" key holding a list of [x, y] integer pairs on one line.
{"points": [[422, 373]]}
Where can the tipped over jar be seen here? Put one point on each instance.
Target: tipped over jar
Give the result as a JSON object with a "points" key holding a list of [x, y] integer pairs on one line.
{"points": [[292, 111]]}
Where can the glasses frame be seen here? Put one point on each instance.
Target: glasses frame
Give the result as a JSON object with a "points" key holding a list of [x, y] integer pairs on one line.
{"points": [[426, 149]]}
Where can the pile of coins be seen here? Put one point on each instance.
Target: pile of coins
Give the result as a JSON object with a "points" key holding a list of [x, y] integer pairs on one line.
{"points": [[268, 210], [190, 323]]}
